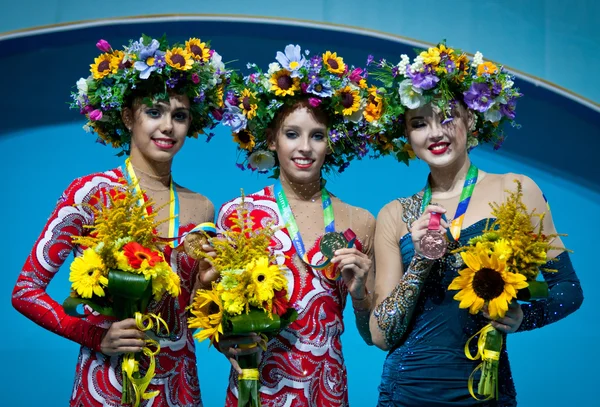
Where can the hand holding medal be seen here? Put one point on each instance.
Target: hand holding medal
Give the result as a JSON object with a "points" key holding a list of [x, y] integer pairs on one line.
{"points": [[428, 233]]}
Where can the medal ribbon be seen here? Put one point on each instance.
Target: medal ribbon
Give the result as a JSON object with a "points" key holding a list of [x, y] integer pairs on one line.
{"points": [[173, 206], [290, 221], [465, 198]]}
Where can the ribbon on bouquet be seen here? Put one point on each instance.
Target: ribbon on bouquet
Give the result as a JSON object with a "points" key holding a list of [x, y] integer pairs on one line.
{"points": [[489, 346], [130, 365]]}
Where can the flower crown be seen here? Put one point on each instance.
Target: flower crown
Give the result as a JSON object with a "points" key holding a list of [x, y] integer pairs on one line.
{"points": [[444, 76], [150, 68], [324, 81]]}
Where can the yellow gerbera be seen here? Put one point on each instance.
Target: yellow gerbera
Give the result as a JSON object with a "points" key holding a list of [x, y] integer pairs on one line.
{"points": [[102, 66], [245, 139], [265, 280], [88, 274], [486, 67], [283, 84], [207, 311], [431, 56], [486, 280], [248, 103], [197, 49], [179, 58], [333, 63], [349, 100]]}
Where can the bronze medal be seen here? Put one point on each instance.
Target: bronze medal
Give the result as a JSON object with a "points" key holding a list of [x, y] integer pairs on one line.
{"points": [[330, 242], [433, 245]]}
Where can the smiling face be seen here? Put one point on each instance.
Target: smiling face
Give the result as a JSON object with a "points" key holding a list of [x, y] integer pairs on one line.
{"points": [[300, 142], [158, 131], [439, 145]]}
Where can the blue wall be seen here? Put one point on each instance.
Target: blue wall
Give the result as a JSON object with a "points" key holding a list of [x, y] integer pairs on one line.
{"points": [[44, 148], [555, 40]]}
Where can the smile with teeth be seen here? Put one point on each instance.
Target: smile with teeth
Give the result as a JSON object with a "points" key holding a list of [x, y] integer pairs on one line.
{"points": [[164, 142], [438, 148], [303, 162]]}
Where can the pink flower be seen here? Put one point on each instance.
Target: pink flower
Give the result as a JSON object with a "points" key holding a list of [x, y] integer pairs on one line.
{"points": [[96, 115], [195, 78], [217, 114], [303, 86], [355, 75], [314, 102], [103, 46], [211, 52]]}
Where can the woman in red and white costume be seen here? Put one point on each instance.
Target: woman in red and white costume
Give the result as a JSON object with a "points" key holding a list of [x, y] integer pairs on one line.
{"points": [[152, 126]]}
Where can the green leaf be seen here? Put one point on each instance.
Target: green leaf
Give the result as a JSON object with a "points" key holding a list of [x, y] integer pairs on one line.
{"points": [[71, 303]]}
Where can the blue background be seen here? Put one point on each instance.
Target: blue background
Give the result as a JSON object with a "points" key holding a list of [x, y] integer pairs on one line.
{"points": [[43, 148]]}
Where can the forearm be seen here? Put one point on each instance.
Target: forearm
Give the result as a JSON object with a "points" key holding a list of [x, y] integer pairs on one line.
{"points": [[565, 296], [392, 316]]}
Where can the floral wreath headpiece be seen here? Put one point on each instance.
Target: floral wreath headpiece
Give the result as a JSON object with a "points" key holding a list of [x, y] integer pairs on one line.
{"points": [[444, 77], [326, 82], [151, 68]]}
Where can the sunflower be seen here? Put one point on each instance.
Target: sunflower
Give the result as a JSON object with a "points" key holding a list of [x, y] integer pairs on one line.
{"points": [[220, 94], [137, 254], [486, 280], [197, 49], [102, 66], [119, 61], [179, 58], [462, 66], [245, 139], [265, 280], [349, 100], [333, 63], [486, 68], [207, 311], [248, 103], [88, 274], [283, 84]]}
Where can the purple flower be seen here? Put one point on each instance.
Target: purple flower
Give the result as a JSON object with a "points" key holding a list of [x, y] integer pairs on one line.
{"points": [[334, 136], [96, 115], [508, 109], [450, 65], [315, 64], [232, 99], [292, 60], [195, 78], [320, 87], [343, 167], [200, 98], [149, 59], [478, 97], [362, 149], [369, 59], [171, 83], [395, 70], [423, 80], [234, 118], [496, 89], [103, 46], [240, 166], [217, 114]]}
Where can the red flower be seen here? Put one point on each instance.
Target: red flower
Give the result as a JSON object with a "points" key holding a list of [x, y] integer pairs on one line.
{"points": [[136, 254], [280, 302]]}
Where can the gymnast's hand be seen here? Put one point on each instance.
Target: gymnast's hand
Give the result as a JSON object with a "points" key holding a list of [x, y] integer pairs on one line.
{"points": [[511, 321], [234, 346], [122, 337], [354, 266], [420, 226]]}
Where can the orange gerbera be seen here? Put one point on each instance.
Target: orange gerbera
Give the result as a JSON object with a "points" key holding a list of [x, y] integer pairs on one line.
{"points": [[136, 254], [486, 67]]}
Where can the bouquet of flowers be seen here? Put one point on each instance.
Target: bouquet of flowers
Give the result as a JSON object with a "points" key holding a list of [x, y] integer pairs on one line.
{"points": [[250, 296], [120, 269], [501, 266]]}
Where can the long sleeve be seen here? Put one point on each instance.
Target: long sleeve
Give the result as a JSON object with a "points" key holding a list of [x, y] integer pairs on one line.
{"points": [[50, 251], [565, 296]]}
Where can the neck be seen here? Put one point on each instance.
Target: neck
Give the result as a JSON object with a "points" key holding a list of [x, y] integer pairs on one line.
{"points": [[151, 174], [306, 191], [449, 179]]}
